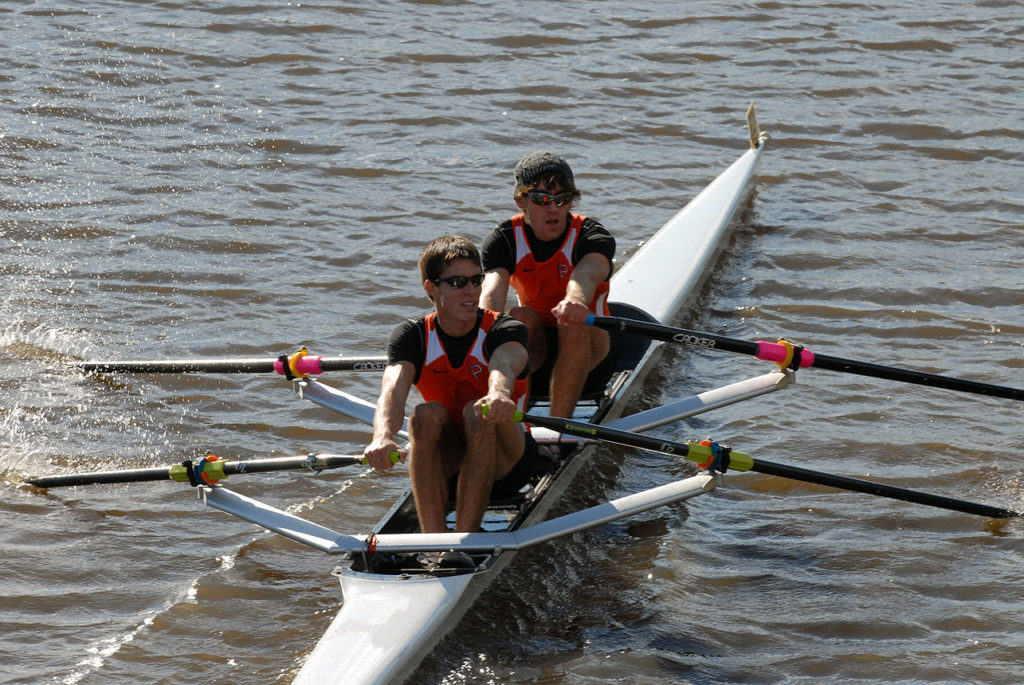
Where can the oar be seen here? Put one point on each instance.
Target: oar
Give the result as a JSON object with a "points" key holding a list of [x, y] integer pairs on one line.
{"points": [[793, 356], [719, 459], [206, 470], [293, 366]]}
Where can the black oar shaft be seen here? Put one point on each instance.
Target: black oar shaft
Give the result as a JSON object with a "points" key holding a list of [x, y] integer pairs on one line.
{"points": [[681, 336], [879, 489], [216, 468], [126, 476], [606, 434], [180, 366], [744, 462], [763, 350], [313, 462], [933, 380]]}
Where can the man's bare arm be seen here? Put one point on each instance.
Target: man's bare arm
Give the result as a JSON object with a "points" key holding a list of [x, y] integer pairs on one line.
{"points": [[387, 419]]}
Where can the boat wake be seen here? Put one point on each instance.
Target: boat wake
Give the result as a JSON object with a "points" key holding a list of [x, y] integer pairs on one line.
{"points": [[242, 573], [102, 649]]}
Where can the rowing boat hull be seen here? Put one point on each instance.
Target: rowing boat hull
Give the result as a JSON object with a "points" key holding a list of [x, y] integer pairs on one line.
{"points": [[417, 610], [387, 623], [683, 250]]}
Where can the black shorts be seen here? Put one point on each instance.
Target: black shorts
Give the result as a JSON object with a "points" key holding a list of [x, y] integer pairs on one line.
{"points": [[509, 485]]}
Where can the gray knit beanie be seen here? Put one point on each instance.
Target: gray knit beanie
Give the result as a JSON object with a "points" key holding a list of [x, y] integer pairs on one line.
{"points": [[532, 168]]}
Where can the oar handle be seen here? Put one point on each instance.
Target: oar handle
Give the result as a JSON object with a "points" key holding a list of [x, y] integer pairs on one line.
{"points": [[394, 456]]}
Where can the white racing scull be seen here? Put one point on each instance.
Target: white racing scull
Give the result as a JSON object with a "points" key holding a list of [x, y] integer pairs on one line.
{"points": [[395, 609]]}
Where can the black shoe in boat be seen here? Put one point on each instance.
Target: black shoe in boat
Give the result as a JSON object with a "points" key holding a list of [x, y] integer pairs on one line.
{"points": [[453, 559]]}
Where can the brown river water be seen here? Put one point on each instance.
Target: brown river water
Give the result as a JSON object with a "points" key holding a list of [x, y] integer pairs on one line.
{"points": [[212, 179]]}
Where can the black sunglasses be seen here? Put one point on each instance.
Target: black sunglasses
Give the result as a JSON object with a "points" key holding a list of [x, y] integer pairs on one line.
{"points": [[459, 282], [543, 199]]}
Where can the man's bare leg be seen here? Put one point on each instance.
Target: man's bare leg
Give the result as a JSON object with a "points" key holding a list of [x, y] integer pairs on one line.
{"points": [[580, 349], [538, 343], [491, 452], [430, 434]]}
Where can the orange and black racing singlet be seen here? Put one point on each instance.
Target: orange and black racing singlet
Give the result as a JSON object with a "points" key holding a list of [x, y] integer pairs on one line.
{"points": [[541, 285], [455, 387]]}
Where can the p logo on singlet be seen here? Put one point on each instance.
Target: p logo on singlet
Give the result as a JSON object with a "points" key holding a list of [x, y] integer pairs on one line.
{"points": [[563, 270], [476, 370]]}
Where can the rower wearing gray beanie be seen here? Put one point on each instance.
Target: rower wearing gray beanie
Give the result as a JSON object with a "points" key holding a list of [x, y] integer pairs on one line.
{"points": [[559, 264]]}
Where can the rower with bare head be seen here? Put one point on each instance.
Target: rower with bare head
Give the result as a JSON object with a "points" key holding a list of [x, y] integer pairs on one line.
{"points": [[460, 358], [559, 264]]}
